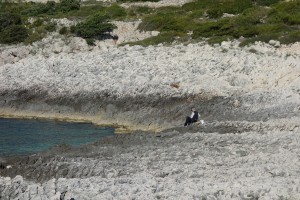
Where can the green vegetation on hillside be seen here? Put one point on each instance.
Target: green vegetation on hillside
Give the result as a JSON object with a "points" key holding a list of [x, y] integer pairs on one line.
{"points": [[260, 20], [253, 20], [94, 19]]}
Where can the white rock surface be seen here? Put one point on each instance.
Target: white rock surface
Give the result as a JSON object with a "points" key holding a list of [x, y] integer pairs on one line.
{"points": [[158, 4], [274, 43], [138, 70]]}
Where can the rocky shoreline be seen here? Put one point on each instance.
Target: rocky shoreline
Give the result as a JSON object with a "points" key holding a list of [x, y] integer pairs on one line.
{"points": [[171, 165], [248, 96]]}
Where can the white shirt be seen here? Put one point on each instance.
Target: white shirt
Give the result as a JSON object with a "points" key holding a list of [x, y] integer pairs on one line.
{"points": [[193, 113]]}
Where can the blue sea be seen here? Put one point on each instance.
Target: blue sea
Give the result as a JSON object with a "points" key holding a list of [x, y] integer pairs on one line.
{"points": [[23, 136]]}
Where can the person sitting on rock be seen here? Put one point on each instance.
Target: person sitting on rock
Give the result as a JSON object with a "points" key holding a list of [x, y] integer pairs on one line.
{"points": [[193, 118]]}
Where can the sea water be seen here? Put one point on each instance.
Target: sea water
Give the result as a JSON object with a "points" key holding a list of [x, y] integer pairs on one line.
{"points": [[23, 137]]}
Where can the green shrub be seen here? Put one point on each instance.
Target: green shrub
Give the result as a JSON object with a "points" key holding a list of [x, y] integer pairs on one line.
{"points": [[68, 5], [263, 38], [196, 14], [231, 7], [63, 30], [245, 31], [90, 41], [286, 12], [246, 24], [73, 29], [264, 29], [50, 27], [137, 1], [12, 29], [199, 5], [38, 22], [138, 11], [215, 12], [14, 7], [115, 11], [143, 10], [238, 6], [266, 2], [213, 28], [252, 16], [8, 19], [282, 17], [13, 34], [33, 37], [49, 8], [94, 26], [165, 37], [290, 37], [165, 22], [38, 33], [218, 39], [83, 12]]}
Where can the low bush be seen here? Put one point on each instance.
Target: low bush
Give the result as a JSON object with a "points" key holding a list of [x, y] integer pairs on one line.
{"points": [[13, 34], [263, 38], [215, 12], [33, 37], [115, 12], [218, 39], [137, 12], [199, 5], [52, 8], [252, 16], [94, 27], [17, 8], [12, 29], [213, 28], [36, 9], [50, 27], [63, 31], [196, 14], [231, 7], [90, 41], [291, 37], [38, 22], [8, 19], [68, 5], [285, 12], [266, 2], [264, 29], [123, 1], [39, 32], [165, 22], [165, 37]]}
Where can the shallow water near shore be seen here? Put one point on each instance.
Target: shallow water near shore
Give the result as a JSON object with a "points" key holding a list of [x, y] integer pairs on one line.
{"points": [[24, 136]]}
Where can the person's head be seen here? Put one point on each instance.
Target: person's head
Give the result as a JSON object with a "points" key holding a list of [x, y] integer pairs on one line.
{"points": [[193, 109]]}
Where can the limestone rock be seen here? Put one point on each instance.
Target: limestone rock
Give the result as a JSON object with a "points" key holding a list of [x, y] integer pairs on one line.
{"points": [[274, 43]]}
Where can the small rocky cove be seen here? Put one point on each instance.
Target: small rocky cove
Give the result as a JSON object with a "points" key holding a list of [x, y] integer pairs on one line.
{"points": [[248, 96]]}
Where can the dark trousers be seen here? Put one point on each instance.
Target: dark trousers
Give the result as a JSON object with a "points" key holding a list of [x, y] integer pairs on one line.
{"points": [[188, 121]]}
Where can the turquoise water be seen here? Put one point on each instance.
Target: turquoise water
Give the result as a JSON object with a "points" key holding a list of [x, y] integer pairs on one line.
{"points": [[22, 137]]}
